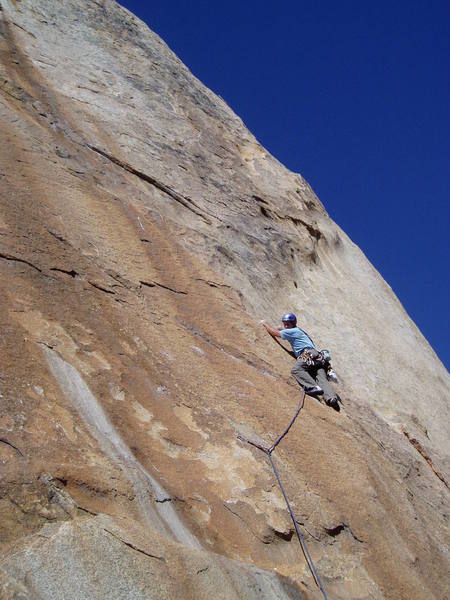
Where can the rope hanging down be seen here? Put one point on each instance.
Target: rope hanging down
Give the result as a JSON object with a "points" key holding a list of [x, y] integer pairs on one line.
{"points": [[268, 452]]}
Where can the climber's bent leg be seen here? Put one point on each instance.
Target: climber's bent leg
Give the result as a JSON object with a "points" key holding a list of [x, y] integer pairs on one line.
{"points": [[300, 372], [321, 378]]}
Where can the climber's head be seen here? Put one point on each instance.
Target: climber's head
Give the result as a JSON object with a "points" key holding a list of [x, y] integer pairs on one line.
{"points": [[289, 320]]}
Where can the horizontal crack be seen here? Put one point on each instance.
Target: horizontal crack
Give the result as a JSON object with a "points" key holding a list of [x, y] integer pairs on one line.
{"points": [[72, 273], [313, 231], [121, 280], [102, 289], [334, 531], [86, 510], [166, 287], [130, 545], [214, 284], [21, 260]]}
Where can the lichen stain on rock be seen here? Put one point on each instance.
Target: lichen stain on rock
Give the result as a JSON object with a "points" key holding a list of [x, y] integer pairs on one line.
{"points": [[53, 335], [185, 414], [234, 468], [111, 443]]}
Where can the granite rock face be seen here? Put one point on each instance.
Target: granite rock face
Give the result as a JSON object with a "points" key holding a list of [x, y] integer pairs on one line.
{"points": [[143, 233]]}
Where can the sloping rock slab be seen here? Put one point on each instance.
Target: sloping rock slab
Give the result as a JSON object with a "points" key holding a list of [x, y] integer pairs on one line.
{"points": [[97, 558]]}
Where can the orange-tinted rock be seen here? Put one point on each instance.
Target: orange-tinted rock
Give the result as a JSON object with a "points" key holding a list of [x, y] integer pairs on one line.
{"points": [[143, 234]]}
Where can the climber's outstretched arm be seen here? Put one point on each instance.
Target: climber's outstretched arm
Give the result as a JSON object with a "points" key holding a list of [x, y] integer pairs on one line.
{"points": [[275, 333]]}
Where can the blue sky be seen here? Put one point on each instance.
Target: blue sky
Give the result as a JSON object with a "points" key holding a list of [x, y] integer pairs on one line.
{"points": [[354, 96]]}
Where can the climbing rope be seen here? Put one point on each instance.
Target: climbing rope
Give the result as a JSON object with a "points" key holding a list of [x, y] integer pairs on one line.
{"points": [[268, 453]]}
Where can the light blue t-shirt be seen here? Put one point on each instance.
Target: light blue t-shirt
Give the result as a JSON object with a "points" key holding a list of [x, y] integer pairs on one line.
{"points": [[297, 338]]}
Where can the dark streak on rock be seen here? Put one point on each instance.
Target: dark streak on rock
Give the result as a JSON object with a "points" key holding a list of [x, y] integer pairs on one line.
{"points": [[314, 232], [285, 535], [86, 510], [268, 214], [21, 260], [262, 367], [45, 344], [121, 280], [213, 284], [258, 199], [308, 532], [156, 284], [102, 289], [184, 200], [130, 545], [264, 541], [20, 98], [339, 528], [56, 235], [72, 273], [20, 27], [334, 531], [421, 450], [4, 441]]}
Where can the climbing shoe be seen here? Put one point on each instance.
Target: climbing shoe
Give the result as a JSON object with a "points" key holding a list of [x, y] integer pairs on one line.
{"points": [[331, 376], [334, 403], [314, 391]]}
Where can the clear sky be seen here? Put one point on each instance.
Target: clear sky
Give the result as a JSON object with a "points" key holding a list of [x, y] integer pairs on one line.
{"points": [[354, 96]]}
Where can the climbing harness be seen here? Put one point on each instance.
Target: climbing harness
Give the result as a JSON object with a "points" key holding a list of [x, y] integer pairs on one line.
{"points": [[321, 359], [268, 452], [315, 358]]}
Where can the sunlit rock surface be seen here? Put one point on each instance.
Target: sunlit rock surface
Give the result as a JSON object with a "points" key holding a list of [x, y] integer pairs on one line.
{"points": [[143, 234]]}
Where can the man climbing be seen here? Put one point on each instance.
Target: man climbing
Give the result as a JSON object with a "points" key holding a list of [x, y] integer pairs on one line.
{"points": [[310, 367]]}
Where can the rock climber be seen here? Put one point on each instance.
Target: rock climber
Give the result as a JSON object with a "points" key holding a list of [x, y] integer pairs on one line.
{"points": [[310, 367]]}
